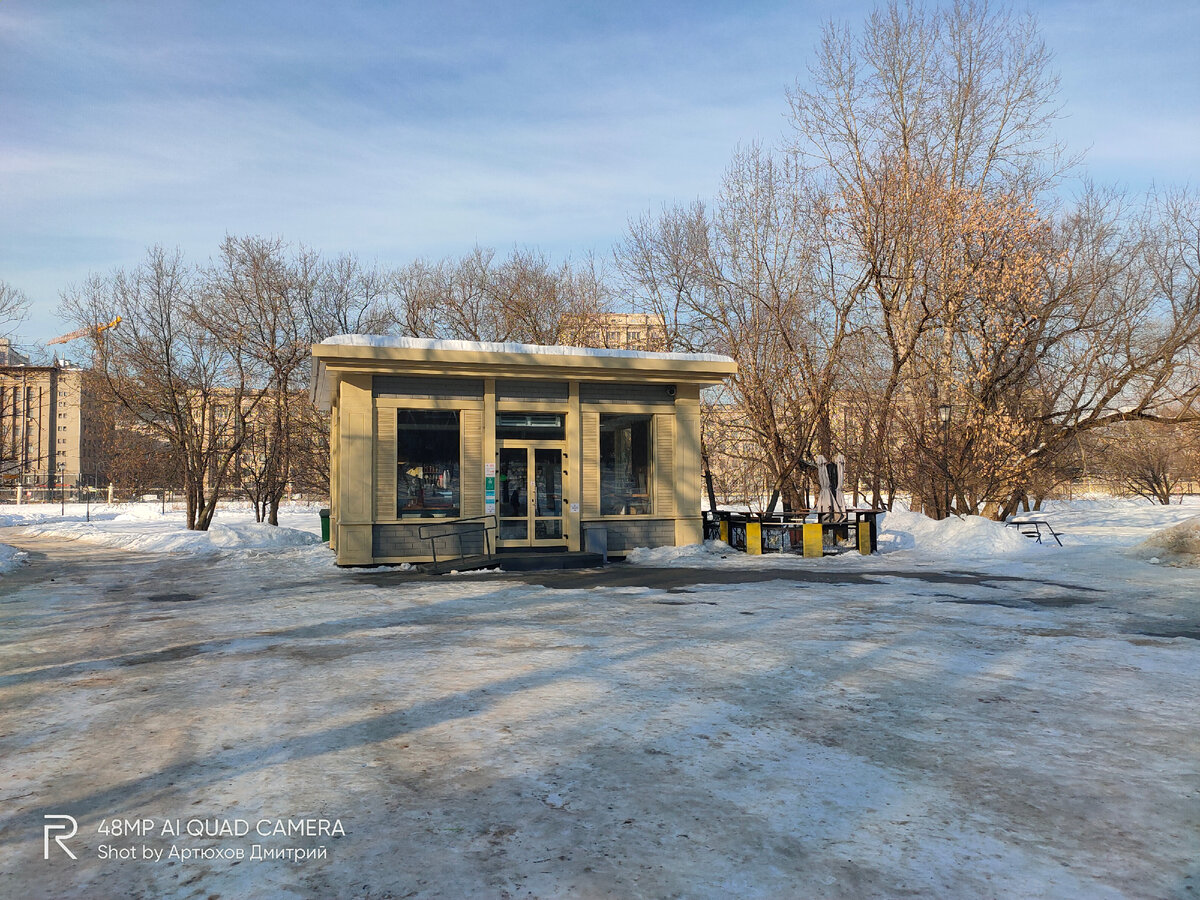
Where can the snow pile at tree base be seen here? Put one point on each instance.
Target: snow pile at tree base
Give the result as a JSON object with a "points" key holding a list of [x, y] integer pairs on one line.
{"points": [[1178, 545], [11, 558]]}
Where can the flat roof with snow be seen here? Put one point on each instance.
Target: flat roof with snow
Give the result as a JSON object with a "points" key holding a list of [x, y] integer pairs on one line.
{"points": [[376, 353]]}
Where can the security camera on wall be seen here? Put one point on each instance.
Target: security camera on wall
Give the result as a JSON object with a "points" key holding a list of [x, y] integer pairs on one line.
{"points": [[671, 390]]}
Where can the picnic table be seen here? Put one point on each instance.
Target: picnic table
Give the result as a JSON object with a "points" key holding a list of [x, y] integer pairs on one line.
{"points": [[1033, 527]]}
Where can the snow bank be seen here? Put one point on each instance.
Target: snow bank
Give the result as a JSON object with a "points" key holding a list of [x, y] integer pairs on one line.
{"points": [[141, 512], [11, 558], [16, 515], [407, 343], [1178, 545], [299, 515], [971, 537], [691, 555], [219, 538]]}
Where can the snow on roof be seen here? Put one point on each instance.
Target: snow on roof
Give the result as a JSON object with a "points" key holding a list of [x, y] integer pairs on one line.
{"points": [[407, 343]]}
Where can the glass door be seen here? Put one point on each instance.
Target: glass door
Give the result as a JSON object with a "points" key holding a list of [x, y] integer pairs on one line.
{"points": [[547, 491], [512, 495], [529, 495]]}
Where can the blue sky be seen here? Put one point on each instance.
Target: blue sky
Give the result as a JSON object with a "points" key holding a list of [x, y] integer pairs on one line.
{"points": [[397, 130]]}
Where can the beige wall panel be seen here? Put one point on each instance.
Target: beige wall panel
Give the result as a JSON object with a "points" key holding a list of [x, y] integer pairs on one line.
{"points": [[354, 545], [591, 463], [664, 465], [356, 455], [689, 531], [471, 429], [356, 468], [687, 459]]}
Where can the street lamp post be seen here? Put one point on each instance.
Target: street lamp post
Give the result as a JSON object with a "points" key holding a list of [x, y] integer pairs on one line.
{"points": [[62, 489], [944, 416]]}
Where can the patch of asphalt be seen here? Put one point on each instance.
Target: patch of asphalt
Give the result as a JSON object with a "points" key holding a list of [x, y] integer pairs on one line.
{"points": [[675, 579]]}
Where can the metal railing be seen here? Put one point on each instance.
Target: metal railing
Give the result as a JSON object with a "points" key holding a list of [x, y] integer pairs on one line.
{"points": [[458, 529]]}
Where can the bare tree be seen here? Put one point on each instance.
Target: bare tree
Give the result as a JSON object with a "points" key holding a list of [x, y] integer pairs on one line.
{"points": [[347, 297], [14, 307], [1143, 458], [167, 366], [896, 118], [756, 278], [523, 298], [261, 298], [135, 460]]}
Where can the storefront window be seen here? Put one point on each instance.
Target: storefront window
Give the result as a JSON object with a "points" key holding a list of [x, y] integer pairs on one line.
{"points": [[625, 465], [427, 477]]}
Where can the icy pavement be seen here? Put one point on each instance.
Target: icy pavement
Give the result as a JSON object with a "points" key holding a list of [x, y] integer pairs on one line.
{"points": [[893, 726]]}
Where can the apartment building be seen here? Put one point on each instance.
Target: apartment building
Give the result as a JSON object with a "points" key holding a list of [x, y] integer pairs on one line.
{"points": [[632, 331], [49, 427]]}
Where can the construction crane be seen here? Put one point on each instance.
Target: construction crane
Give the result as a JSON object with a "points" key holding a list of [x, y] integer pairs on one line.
{"points": [[85, 332]]}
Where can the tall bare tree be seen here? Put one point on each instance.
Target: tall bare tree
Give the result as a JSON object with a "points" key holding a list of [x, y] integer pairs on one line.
{"points": [[915, 104], [757, 278], [177, 376], [262, 295]]}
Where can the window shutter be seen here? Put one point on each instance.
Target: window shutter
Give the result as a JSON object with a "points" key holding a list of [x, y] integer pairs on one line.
{"points": [[591, 463], [664, 465], [470, 422], [385, 464]]}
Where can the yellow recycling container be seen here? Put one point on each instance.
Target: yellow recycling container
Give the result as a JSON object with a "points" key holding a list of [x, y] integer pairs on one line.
{"points": [[813, 539], [754, 538]]}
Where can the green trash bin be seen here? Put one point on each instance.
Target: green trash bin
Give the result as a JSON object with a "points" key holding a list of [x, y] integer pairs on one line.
{"points": [[325, 525]]}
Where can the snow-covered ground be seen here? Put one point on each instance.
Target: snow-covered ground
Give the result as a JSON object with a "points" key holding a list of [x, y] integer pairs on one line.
{"points": [[11, 557], [968, 715], [148, 518], [146, 527], [1087, 525]]}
